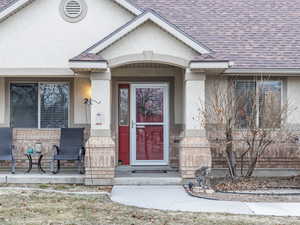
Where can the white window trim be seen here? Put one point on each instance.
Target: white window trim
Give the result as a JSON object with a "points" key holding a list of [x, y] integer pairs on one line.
{"points": [[39, 100]]}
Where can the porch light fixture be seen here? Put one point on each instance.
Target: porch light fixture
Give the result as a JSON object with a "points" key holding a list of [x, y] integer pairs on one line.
{"points": [[88, 97], [90, 101]]}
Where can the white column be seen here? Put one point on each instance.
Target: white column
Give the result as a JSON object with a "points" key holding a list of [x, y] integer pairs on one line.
{"points": [[101, 103], [2, 100], [194, 102], [100, 148], [194, 148]]}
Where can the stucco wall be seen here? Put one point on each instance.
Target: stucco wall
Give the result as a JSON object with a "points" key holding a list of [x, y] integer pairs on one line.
{"points": [[82, 112], [2, 100], [37, 36], [149, 37]]}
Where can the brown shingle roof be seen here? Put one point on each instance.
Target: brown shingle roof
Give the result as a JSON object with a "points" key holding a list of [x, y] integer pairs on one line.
{"points": [[6, 3], [252, 33]]}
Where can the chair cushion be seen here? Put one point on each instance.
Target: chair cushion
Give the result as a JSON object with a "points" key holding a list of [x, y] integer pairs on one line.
{"points": [[66, 157]]}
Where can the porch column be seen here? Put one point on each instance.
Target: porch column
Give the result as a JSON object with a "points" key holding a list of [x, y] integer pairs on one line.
{"points": [[100, 155], [194, 147]]}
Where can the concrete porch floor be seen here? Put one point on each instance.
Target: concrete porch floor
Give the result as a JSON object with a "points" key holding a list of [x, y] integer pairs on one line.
{"points": [[143, 175], [66, 176], [147, 175]]}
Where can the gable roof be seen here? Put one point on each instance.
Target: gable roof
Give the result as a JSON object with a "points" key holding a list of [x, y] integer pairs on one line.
{"points": [[9, 7], [148, 15], [252, 33]]}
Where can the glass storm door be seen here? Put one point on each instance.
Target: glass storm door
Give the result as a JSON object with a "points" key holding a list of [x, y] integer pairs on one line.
{"points": [[149, 125]]}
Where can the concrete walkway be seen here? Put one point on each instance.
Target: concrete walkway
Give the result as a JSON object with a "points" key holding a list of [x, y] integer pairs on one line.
{"points": [[174, 198]]}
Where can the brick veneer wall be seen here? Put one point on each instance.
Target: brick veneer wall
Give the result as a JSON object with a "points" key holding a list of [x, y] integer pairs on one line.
{"points": [[26, 138], [176, 135], [284, 155]]}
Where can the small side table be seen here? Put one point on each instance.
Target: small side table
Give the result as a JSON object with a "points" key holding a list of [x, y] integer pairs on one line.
{"points": [[38, 163]]}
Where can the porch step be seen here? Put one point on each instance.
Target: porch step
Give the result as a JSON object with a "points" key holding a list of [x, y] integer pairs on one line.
{"points": [[145, 169], [147, 179]]}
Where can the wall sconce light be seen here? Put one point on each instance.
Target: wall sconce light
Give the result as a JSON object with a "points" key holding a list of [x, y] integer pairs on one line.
{"points": [[88, 100]]}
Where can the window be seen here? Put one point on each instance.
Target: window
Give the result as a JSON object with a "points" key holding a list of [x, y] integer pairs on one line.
{"points": [[39, 105], [124, 105], [258, 103]]}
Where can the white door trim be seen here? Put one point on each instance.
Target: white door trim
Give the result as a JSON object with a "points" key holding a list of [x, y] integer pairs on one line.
{"points": [[133, 125]]}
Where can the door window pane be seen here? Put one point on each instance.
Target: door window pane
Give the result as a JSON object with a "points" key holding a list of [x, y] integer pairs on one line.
{"points": [[149, 105], [54, 105], [24, 105], [124, 106]]}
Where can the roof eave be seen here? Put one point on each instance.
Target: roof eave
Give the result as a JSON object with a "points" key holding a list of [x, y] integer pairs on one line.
{"points": [[88, 65], [13, 8], [129, 6], [270, 70], [211, 64]]}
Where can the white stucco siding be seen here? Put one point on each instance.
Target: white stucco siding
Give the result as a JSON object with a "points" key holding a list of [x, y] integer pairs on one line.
{"points": [[149, 37], [2, 100], [293, 85], [37, 36], [194, 100], [82, 90]]}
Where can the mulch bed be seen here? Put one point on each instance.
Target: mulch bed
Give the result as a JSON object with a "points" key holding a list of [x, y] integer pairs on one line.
{"points": [[255, 183], [288, 189]]}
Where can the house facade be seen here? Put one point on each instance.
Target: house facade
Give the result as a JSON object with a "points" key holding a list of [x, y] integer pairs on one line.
{"points": [[135, 73]]}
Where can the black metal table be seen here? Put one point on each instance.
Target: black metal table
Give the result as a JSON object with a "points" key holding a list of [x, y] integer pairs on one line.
{"points": [[38, 162]]}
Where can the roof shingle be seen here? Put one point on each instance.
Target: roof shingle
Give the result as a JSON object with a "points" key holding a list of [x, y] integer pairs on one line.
{"points": [[252, 33]]}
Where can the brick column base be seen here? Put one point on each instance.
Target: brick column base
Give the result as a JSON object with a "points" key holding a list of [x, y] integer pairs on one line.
{"points": [[194, 153], [100, 161]]}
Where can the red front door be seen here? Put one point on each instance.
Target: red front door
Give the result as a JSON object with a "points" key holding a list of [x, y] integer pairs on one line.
{"points": [[143, 124], [124, 124]]}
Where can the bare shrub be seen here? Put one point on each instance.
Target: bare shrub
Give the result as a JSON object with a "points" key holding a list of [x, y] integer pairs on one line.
{"points": [[250, 114]]}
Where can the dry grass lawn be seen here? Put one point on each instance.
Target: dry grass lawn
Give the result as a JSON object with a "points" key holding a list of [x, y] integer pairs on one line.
{"points": [[38, 208]]}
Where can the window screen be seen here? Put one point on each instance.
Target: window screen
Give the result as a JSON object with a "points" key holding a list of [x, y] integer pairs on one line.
{"points": [[258, 102], [270, 104], [24, 105], [245, 92], [54, 105]]}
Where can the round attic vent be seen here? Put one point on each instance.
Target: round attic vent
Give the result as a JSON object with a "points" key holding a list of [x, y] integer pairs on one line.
{"points": [[73, 10]]}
